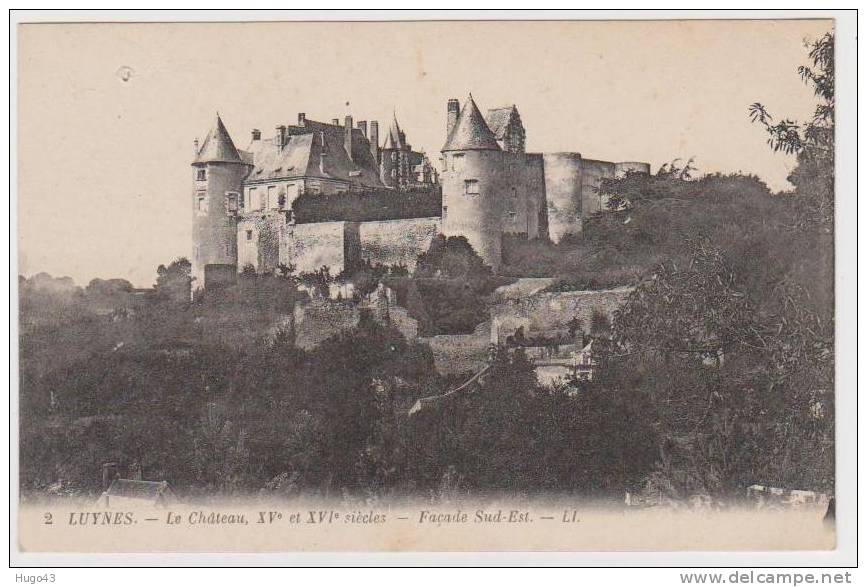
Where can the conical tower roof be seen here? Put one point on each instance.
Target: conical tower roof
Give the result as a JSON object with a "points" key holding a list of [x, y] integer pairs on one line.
{"points": [[471, 132], [218, 146], [395, 133], [390, 142]]}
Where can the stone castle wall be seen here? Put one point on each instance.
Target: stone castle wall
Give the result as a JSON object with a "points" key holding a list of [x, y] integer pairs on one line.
{"points": [[549, 313], [318, 320], [593, 172], [397, 242], [563, 174], [312, 246]]}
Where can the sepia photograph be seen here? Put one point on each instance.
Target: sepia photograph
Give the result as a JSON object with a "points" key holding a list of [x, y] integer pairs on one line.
{"points": [[428, 285]]}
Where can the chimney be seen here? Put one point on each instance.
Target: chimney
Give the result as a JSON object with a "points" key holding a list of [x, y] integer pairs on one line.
{"points": [[453, 109], [281, 136], [109, 474], [323, 152], [362, 126], [335, 121], [196, 148], [347, 136], [302, 119], [374, 140], [257, 134]]}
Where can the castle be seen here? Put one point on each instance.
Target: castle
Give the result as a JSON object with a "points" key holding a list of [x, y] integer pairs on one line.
{"points": [[319, 194]]}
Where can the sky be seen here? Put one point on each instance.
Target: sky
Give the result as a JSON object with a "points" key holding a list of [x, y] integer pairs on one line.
{"points": [[107, 113]]}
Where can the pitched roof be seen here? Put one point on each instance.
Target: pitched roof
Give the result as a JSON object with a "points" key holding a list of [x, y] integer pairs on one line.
{"points": [[498, 120], [300, 155], [471, 132], [218, 146]]}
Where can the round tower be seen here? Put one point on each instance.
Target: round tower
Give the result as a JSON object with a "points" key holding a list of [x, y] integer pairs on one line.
{"points": [[473, 184], [218, 172], [563, 176]]}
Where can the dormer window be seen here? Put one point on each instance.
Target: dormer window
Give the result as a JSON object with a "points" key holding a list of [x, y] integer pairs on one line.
{"points": [[201, 174]]}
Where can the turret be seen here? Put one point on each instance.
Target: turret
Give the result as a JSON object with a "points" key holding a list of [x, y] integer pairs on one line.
{"points": [[392, 167], [473, 183], [218, 173]]}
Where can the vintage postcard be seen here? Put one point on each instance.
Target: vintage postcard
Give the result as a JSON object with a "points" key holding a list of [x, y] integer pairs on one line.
{"points": [[426, 286]]}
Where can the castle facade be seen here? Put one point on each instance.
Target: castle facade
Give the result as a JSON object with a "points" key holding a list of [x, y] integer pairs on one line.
{"points": [[318, 194]]}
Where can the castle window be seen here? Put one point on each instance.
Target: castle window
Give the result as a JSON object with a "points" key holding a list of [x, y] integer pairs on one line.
{"points": [[231, 202], [201, 203], [249, 235], [271, 199], [394, 156], [445, 211], [201, 175], [394, 173], [253, 201], [458, 162], [471, 187]]}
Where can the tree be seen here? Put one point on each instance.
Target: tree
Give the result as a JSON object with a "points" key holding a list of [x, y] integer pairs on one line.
{"points": [[736, 380], [175, 282], [812, 141], [317, 281], [451, 257]]}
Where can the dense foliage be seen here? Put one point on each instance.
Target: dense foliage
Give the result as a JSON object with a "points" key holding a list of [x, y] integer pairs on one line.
{"points": [[717, 373], [368, 205]]}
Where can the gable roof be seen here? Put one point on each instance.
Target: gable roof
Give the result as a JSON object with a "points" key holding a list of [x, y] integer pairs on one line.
{"points": [[498, 120], [218, 146], [471, 132]]}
